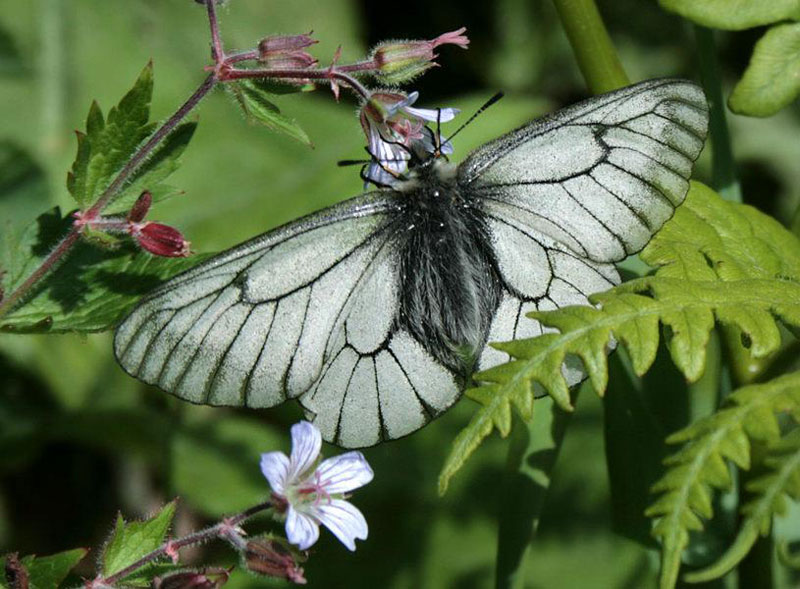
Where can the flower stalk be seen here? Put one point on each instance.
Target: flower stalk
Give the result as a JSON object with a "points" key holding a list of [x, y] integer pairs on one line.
{"points": [[228, 529]]}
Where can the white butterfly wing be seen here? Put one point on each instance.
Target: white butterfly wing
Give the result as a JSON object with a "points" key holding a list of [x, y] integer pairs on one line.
{"points": [[308, 308], [601, 176], [379, 382], [570, 193]]}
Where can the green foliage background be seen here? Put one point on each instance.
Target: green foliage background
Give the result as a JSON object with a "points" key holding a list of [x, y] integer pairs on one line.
{"points": [[79, 439]]}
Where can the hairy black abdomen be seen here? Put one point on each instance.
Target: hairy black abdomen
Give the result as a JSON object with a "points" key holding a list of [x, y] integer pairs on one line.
{"points": [[449, 287]]}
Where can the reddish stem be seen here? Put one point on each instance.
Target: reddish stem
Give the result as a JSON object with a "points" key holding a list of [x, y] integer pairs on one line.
{"points": [[216, 531], [216, 43]]}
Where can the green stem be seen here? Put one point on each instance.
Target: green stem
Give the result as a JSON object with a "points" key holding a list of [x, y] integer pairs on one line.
{"points": [[532, 453], [596, 55], [723, 168]]}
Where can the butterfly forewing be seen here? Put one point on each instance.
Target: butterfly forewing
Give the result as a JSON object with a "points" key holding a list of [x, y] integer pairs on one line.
{"points": [[569, 193], [250, 326], [601, 176]]}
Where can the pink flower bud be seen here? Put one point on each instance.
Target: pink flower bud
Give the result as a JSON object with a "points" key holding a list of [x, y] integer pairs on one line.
{"points": [[285, 52], [140, 207], [267, 557], [204, 579], [285, 43], [401, 61], [160, 239]]}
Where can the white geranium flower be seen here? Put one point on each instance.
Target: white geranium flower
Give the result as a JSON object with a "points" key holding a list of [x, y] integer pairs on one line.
{"points": [[392, 125], [312, 496]]}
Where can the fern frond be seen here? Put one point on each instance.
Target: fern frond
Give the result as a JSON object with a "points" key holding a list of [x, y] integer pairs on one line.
{"points": [[771, 492], [700, 465], [716, 262]]}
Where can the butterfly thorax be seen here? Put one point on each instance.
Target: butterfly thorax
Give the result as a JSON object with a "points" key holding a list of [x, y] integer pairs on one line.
{"points": [[449, 288]]}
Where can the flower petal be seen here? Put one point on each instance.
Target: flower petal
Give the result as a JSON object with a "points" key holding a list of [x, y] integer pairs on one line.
{"points": [[433, 114], [344, 520], [343, 473], [275, 467], [306, 444], [301, 529]]}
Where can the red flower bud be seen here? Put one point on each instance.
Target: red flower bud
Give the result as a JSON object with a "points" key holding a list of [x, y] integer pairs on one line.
{"points": [[141, 207], [160, 239], [267, 557]]}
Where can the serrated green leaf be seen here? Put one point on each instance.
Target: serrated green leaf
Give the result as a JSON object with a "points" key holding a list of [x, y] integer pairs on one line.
{"points": [[700, 466], [771, 490], [91, 289], [131, 541], [109, 142], [255, 102], [734, 14], [150, 176], [47, 572], [772, 78]]}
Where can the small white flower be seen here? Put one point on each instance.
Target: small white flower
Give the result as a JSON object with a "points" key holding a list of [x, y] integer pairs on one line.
{"points": [[392, 127], [314, 496]]}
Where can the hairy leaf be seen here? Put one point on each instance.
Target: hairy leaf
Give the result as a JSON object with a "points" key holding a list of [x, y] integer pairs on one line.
{"points": [[131, 541], [47, 572], [716, 261], [109, 143], [700, 466], [254, 98], [772, 78], [91, 289], [734, 14]]}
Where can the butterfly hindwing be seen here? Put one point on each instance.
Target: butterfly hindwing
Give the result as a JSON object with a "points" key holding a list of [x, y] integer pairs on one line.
{"points": [[538, 274]]}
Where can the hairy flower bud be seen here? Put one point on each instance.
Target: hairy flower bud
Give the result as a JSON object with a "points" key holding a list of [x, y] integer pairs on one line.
{"points": [[402, 61], [286, 51], [204, 579], [268, 557], [160, 239]]}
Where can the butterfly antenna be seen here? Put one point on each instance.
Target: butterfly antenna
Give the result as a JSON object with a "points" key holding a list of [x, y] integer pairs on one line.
{"points": [[438, 138], [486, 105], [345, 163]]}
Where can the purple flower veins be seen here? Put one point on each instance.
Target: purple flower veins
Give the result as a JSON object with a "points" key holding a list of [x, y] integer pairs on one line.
{"points": [[312, 494]]}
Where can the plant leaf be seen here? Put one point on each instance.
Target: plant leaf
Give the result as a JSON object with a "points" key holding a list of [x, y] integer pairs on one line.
{"points": [[734, 14], [771, 492], [716, 261], [108, 144], [131, 541], [47, 572], [772, 78], [254, 100], [91, 289], [699, 466]]}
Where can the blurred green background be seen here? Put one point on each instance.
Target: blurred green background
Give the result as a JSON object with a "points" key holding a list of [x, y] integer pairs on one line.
{"points": [[80, 440]]}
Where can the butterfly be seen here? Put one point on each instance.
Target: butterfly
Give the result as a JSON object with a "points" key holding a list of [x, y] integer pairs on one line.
{"points": [[375, 312]]}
